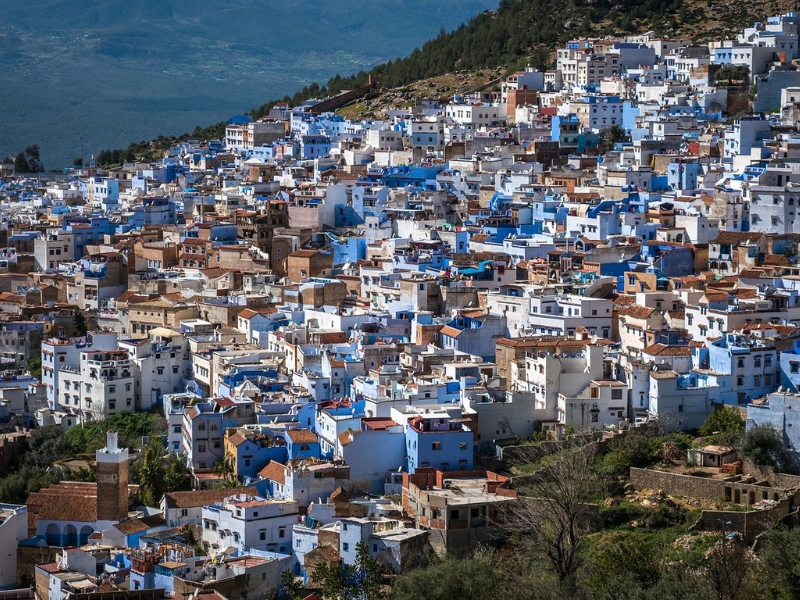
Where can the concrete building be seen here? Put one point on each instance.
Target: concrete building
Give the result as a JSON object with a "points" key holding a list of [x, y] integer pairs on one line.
{"points": [[459, 509], [250, 523]]}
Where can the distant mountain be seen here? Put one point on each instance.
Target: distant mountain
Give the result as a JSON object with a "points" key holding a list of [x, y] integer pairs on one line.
{"points": [[83, 75]]}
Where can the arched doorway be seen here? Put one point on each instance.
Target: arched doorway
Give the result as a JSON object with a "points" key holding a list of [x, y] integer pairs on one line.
{"points": [[86, 531], [53, 535], [70, 537]]}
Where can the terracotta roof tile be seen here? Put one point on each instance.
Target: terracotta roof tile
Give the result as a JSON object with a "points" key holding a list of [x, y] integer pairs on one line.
{"points": [[664, 350], [138, 525], [736, 237], [198, 498], [274, 471], [302, 436], [450, 331], [637, 312]]}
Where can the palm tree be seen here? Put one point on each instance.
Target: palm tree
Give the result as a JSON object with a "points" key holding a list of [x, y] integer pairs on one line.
{"points": [[225, 468], [152, 472]]}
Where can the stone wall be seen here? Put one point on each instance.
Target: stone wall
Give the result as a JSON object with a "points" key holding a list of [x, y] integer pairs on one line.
{"points": [[345, 98], [749, 524], [736, 489]]}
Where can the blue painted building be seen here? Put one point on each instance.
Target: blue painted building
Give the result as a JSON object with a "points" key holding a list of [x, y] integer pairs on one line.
{"points": [[437, 440]]}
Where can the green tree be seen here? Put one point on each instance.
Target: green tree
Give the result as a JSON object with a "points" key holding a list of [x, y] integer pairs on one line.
{"points": [[360, 581], [778, 556], [615, 135], [78, 323], [292, 588], [152, 472], [21, 163], [176, 475], [725, 424], [762, 444], [225, 468], [29, 160], [629, 556], [77, 162], [640, 447], [733, 73], [474, 578], [34, 366]]}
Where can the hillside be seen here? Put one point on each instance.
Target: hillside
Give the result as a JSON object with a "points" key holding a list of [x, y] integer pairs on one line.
{"points": [[81, 76], [519, 33]]}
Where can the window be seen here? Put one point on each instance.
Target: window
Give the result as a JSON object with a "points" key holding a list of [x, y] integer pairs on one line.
{"points": [[436, 446], [201, 447], [345, 546], [462, 446], [282, 532], [793, 367], [262, 534], [740, 380], [175, 369], [160, 370], [616, 394], [112, 389]]}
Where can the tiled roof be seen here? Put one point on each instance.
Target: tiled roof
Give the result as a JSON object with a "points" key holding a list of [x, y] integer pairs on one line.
{"points": [[274, 471], [237, 439], [347, 437], [736, 237], [636, 312], [539, 341], [302, 436], [450, 331], [70, 508], [198, 498], [624, 300], [138, 525], [303, 253], [664, 350]]}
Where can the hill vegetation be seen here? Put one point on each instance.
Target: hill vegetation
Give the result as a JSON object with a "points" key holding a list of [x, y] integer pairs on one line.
{"points": [[519, 33]]}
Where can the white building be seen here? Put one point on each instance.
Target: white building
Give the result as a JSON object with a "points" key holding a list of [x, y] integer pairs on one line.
{"points": [[58, 353], [13, 529], [99, 387], [250, 523]]}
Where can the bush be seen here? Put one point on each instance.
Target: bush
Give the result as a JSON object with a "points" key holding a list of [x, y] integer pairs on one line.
{"points": [[763, 445], [634, 449]]}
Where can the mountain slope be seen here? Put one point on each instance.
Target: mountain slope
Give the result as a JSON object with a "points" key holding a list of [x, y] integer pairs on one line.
{"points": [[81, 75]]}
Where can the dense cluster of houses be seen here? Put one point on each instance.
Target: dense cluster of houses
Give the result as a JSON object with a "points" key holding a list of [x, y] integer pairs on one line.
{"points": [[346, 318]]}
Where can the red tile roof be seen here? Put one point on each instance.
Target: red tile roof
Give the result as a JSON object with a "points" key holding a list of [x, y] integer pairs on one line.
{"points": [[302, 436], [198, 498], [274, 471]]}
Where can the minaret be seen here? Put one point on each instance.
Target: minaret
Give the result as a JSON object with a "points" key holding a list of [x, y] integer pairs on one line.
{"points": [[112, 481]]}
